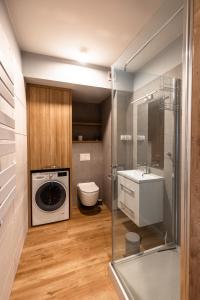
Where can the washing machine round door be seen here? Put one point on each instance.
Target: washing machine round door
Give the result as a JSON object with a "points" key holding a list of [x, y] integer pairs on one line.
{"points": [[50, 196]]}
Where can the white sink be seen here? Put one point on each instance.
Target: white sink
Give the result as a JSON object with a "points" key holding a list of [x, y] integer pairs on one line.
{"points": [[139, 176]]}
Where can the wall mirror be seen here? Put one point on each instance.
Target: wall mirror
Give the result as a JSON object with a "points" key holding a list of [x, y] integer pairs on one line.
{"points": [[150, 134]]}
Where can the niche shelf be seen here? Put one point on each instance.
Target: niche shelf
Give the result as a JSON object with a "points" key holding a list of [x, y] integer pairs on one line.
{"points": [[87, 141], [86, 124]]}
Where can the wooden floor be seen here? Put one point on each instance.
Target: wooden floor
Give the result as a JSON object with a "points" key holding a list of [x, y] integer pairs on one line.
{"points": [[67, 260], [150, 236]]}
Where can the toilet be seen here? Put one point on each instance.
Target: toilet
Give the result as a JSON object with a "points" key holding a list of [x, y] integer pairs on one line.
{"points": [[88, 193]]}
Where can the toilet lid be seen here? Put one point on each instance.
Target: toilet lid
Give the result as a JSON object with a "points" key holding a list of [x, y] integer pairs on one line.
{"points": [[88, 187]]}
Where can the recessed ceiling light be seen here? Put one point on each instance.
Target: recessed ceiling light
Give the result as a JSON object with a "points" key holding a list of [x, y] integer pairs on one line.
{"points": [[83, 55]]}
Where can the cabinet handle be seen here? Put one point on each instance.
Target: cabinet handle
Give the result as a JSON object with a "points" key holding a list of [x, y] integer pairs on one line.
{"points": [[127, 208], [123, 187]]}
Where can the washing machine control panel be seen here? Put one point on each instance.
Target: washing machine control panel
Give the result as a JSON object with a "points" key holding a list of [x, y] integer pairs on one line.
{"points": [[62, 174], [50, 175], [54, 175]]}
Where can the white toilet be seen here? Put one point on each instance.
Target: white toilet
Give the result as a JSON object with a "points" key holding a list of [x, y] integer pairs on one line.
{"points": [[88, 193]]}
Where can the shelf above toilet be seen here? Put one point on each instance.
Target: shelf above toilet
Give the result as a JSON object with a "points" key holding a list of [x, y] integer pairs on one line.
{"points": [[91, 141], [86, 124]]}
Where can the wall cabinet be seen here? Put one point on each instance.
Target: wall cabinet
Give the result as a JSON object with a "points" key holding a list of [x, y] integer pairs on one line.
{"points": [[49, 126]]}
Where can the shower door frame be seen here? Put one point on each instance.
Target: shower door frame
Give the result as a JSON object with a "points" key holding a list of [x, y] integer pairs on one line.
{"points": [[185, 165], [176, 166]]}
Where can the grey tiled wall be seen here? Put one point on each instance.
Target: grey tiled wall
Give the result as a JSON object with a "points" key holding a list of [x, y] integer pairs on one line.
{"points": [[86, 171]]}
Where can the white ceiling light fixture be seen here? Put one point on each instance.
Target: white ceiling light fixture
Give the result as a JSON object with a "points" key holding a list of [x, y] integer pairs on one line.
{"points": [[83, 55]]}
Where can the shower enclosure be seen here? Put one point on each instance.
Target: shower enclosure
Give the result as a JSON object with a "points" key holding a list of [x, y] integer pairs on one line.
{"points": [[145, 159]]}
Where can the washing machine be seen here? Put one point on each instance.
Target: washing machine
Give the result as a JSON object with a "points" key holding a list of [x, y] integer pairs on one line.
{"points": [[50, 196]]}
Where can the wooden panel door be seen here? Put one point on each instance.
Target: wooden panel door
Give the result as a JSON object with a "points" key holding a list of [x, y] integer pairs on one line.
{"points": [[193, 242], [49, 118]]}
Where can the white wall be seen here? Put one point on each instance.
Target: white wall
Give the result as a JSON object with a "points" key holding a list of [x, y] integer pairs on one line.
{"points": [[41, 67], [14, 228]]}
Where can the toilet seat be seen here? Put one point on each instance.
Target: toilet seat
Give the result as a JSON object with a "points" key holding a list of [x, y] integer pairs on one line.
{"points": [[88, 187], [88, 193]]}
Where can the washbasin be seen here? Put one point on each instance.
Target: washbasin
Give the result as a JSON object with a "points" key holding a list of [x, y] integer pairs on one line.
{"points": [[139, 176]]}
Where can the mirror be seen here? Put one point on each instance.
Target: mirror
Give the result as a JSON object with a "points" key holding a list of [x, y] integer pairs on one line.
{"points": [[150, 134], [156, 134], [142, 134]]}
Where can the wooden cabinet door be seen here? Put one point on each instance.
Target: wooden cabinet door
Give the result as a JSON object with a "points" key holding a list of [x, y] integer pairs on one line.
{"points": [[49, 118]]}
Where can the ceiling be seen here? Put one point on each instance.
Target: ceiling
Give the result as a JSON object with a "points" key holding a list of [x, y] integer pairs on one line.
{"points": [[61, 28], [80, 93]]}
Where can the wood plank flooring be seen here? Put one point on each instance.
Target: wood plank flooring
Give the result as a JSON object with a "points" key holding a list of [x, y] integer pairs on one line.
{"points": [[67, 260], [151, 236]]}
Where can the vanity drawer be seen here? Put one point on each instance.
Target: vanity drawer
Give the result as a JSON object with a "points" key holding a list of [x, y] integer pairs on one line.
{"points": [[127, 211], [129, 186], [128, 197]]}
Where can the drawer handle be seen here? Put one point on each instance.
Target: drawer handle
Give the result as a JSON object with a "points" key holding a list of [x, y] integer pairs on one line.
{"points": [[127, 208], [123, 187]]}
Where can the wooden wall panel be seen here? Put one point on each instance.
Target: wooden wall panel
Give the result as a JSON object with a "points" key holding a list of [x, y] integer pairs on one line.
{"points": [[193, 276], [190, 244], [49, 126]]}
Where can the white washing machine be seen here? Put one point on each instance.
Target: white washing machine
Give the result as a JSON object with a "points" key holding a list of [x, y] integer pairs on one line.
{"points": [[50, 196]]}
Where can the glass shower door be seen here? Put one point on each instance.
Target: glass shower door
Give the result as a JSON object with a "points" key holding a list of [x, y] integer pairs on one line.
{"points": [[145, 164]]}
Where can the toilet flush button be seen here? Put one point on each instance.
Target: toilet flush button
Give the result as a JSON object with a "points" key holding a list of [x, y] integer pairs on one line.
{"points": [[84, 156]]}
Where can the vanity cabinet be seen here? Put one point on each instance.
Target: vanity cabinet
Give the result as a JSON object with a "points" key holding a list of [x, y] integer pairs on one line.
{"points": [[142, 202]]}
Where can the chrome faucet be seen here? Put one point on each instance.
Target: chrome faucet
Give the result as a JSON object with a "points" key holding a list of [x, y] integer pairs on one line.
{"points": [[145, 169]]}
